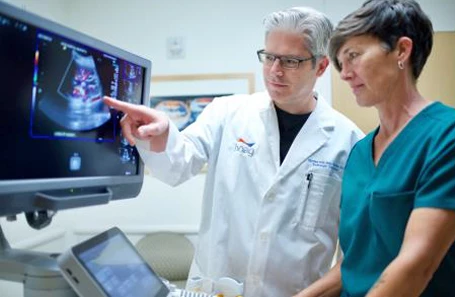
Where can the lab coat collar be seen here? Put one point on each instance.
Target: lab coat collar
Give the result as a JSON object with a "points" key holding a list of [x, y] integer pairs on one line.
{"points": [[313, 135]]}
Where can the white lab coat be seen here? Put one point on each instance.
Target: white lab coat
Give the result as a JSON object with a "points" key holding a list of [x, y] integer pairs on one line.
{"points": [[262, 224]]}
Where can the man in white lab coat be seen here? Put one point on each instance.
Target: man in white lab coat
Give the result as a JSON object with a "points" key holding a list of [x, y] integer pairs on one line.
{"points": [[275, 164]]}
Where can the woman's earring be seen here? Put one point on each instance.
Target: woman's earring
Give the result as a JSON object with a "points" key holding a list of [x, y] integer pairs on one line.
{"points": [[400, 65]]}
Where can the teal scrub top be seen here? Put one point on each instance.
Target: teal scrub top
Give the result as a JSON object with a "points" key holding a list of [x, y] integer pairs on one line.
{"points": [[416, 170]]}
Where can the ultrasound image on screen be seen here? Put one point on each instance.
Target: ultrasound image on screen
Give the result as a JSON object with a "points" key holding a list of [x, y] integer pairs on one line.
{"points": [[79, 106], [119, 270], [68, 99], [54, 123]]}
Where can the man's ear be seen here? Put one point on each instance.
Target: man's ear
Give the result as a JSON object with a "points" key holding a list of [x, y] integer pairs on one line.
{"points": [[404, 48], [321, 65]]}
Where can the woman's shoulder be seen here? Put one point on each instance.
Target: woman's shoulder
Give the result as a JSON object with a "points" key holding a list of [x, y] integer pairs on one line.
{"points": [[440, 113], [438, 124]]}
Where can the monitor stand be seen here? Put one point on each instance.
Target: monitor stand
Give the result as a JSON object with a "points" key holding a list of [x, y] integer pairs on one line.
{"points": [[38, 272]]}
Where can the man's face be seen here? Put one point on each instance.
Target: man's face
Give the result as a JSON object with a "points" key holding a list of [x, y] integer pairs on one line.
{"points": [[291, 89]]}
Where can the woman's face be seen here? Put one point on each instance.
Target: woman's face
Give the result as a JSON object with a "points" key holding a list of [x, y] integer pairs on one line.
{"points": [[371, 71]]}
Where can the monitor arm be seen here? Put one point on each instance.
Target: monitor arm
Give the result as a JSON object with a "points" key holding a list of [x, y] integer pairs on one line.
{"points": [[38, 272]]}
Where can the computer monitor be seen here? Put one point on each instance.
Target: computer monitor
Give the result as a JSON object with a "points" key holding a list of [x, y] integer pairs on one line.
{"points": [[61, 146]]}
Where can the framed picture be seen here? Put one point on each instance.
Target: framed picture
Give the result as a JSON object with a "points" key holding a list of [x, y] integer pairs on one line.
{"points": [[184, 97]]}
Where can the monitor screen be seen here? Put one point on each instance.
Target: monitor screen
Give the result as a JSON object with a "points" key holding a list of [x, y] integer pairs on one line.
{"points": [[60, 140]]}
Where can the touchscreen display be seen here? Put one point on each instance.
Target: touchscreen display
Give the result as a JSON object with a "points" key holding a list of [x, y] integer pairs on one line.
{"points": [[117, 267]]}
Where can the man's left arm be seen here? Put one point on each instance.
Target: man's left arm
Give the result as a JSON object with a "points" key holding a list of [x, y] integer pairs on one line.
{"points": [[429, 234]]}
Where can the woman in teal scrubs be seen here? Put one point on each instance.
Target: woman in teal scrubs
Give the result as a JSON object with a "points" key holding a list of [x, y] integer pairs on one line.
{"points": [[397, 227]]}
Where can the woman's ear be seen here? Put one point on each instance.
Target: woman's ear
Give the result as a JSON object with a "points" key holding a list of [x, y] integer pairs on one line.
{"points": [[404, 48]]}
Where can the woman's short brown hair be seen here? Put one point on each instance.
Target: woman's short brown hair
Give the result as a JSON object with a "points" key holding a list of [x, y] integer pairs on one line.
{"points": [[388, 20]]}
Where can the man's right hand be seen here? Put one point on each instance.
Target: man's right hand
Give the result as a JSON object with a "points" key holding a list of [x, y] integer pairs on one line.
{"points": [[141, 122]]}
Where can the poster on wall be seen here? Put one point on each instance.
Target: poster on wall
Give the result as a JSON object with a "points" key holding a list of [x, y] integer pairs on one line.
{"points": [[183, 110], [184, 96]]}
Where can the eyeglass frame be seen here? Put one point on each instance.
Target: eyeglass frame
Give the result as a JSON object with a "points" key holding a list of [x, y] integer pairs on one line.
{"points": [[279, 57]]}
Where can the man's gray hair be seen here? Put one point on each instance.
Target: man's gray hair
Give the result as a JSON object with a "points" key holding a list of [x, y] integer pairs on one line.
{"points": [[310, 23]]}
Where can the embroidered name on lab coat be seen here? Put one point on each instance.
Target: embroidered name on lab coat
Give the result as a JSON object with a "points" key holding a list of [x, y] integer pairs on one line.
{"points": [[325, 164]]}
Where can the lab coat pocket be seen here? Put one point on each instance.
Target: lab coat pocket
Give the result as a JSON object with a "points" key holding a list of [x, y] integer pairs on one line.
{"points": [[317, 195]]}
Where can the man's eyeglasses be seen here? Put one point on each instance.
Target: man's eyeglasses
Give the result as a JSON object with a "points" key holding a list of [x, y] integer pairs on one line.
{"points": [[288, 62]]}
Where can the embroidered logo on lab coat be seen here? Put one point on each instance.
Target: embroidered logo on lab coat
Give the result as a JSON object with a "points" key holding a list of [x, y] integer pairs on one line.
{"points": [[245, 148]]}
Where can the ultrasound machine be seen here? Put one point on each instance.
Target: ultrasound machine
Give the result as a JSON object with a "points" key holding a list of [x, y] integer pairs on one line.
{"points": [[62, 148]]}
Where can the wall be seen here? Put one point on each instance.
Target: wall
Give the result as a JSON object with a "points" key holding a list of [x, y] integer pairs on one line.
{"points": [[54, 10], [220, 36]]}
